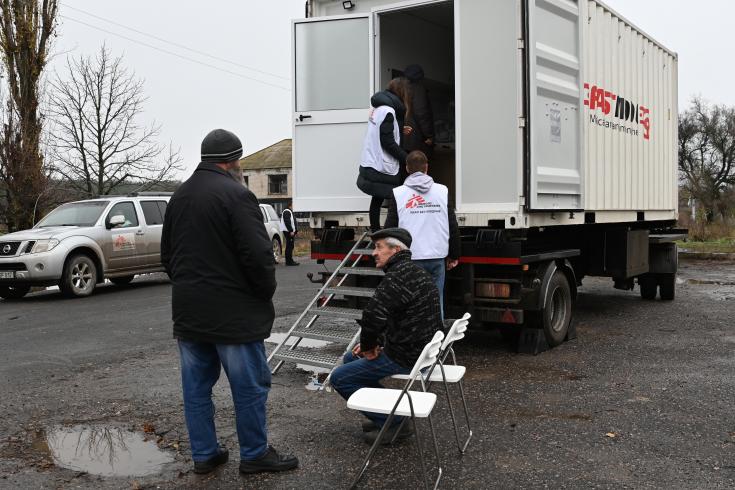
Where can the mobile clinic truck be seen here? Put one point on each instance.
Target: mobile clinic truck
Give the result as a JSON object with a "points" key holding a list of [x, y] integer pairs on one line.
{"points": [[556, 133]]}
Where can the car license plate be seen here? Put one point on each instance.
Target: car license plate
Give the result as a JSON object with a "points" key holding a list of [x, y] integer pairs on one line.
{"points": [[7, 275]]}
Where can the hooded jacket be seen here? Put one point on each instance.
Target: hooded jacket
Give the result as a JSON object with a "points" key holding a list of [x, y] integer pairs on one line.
{"points": [[422, 183], [404, 310], [421, 118], [220, 260], [387, 140]]}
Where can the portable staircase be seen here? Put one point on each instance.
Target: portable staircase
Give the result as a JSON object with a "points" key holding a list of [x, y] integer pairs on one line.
{"points": [[329, 323]]}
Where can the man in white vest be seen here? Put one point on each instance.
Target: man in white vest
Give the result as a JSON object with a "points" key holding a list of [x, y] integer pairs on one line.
{"points": [[288, 227], [422, 207]]}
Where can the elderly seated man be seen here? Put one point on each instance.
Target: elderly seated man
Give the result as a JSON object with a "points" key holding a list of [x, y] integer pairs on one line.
{"points": [[404, 313]]}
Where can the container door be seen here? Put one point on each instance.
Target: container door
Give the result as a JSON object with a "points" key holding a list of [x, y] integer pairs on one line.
{"points": [[331, 101], [553, 38]]}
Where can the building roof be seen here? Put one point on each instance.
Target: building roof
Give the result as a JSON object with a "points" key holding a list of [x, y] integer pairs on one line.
{"points": [[274, 156]]}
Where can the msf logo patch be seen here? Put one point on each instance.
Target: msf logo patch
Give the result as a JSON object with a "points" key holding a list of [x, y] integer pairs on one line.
{"points": [[627, 115], [415, 202]]}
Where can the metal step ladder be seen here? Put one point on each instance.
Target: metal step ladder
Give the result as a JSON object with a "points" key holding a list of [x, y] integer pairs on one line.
{"points": [[329, 323]]}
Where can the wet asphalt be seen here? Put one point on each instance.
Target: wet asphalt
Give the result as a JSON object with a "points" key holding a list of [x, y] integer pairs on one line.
{"points": [[641, 399]]}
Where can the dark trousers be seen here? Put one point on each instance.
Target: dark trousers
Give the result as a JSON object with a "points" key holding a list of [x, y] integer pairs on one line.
{"points": [[289, 246], [380, 187]]}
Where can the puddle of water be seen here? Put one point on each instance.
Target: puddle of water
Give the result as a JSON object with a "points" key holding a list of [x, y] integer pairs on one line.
{"points": [[105, 451], [277, 338]]}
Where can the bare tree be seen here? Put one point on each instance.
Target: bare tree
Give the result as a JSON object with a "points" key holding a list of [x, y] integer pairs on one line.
{"points": [[98, 142], [707, 154], [26, 30]]}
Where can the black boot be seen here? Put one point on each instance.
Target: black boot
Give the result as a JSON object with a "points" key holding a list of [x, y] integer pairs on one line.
{"points": [[202, 467], [270, 461]]}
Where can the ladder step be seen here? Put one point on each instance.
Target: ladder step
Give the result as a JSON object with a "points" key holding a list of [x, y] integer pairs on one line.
{"points": [[310, 357], [352, 291], [332, 333], [361, 271], [363, 251], [334, 311]]}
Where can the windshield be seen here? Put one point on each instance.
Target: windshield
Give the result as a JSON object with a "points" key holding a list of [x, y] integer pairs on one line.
{"points": [[74, 214]]}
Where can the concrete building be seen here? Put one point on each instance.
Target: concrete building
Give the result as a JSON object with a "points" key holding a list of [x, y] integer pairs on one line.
{"points": [[267, 173]]}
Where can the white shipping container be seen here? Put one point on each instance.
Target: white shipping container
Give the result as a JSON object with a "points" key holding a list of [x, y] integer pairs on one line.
{"points": [[547, 112]]}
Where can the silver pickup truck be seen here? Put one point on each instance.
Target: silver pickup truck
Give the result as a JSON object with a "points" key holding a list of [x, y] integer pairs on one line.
{"points": [[80, 244]]}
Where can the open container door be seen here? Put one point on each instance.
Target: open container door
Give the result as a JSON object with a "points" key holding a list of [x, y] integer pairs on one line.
{"points": [[554, 44], [332, 87]]}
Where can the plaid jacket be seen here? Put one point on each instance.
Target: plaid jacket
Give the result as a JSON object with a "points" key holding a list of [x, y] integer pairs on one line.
{"points": [[404, 311]]}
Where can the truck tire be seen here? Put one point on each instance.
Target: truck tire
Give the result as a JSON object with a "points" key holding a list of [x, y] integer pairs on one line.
{"points": [[557, 312], [648, 286], [79, 278], [13, 292], [121, 281], [277, 249], [667, 286]]}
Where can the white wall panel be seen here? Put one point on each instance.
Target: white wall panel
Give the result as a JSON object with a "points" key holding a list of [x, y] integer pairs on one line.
{"points": [[628, 78]]}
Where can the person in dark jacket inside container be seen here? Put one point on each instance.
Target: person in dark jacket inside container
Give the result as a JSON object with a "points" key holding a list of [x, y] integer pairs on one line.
{"points": [[382, 155], [421, 120], [404, 311], [220, 261]]}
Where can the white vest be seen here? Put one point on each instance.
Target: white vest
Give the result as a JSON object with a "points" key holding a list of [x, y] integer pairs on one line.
{"points": [[373, 155], [290, 218], [426, 217]]}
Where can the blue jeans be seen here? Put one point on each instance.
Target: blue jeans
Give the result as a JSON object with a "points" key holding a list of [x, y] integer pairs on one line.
{"points": [[438, 270], [358, 372], [250, 380]]}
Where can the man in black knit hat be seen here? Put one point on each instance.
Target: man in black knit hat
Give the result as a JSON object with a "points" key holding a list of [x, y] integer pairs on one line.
{"points": [[220, 261]]}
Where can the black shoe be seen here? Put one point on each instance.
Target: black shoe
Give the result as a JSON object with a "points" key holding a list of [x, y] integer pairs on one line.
{"points": [[369, 426], [202, 467], [406, 432], [271, 461], [292, 263]]}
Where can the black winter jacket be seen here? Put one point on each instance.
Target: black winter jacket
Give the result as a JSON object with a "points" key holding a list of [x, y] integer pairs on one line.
{"points": [[387, 139], [220, 260], [421, 120], [404, 309]]}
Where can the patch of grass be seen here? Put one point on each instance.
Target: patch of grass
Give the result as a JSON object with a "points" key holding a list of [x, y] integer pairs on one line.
{"points": [[302, 246], [719, 245]]}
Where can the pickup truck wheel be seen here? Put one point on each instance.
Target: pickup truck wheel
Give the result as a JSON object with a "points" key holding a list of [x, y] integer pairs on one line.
{"points": [[79, 278], [557, 313], [667, 286], [277, 249], [648, 286], [13, 292], [121, 281]]}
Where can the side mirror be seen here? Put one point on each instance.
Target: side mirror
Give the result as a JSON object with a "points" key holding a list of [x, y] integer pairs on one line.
{"points": [[115, 221]]}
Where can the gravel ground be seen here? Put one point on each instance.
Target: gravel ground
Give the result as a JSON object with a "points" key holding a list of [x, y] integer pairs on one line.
{"points": [[641, 399]]}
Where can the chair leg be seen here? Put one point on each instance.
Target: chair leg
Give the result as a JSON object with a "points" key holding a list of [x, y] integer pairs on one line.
{"points": [[467, 417], [421, 453], [370, 454], [454, 419], [436, 453]]}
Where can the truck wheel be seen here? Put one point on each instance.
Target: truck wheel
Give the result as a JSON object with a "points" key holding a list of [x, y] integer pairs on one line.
{"points": [[557, 312], [667, 286], [277, 250], [79, 277], [121, 281], [648, 287], [13, 292]]}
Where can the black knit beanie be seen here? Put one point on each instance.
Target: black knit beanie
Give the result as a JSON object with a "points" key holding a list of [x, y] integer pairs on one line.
{"points": [[221, 146]]}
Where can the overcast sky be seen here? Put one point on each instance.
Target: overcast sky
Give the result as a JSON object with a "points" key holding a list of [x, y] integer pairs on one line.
{"points": [[252, 40]]}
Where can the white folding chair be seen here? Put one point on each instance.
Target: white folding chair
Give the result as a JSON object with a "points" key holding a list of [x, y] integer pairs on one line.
{"points": [[451, 374], [403, 403]]}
